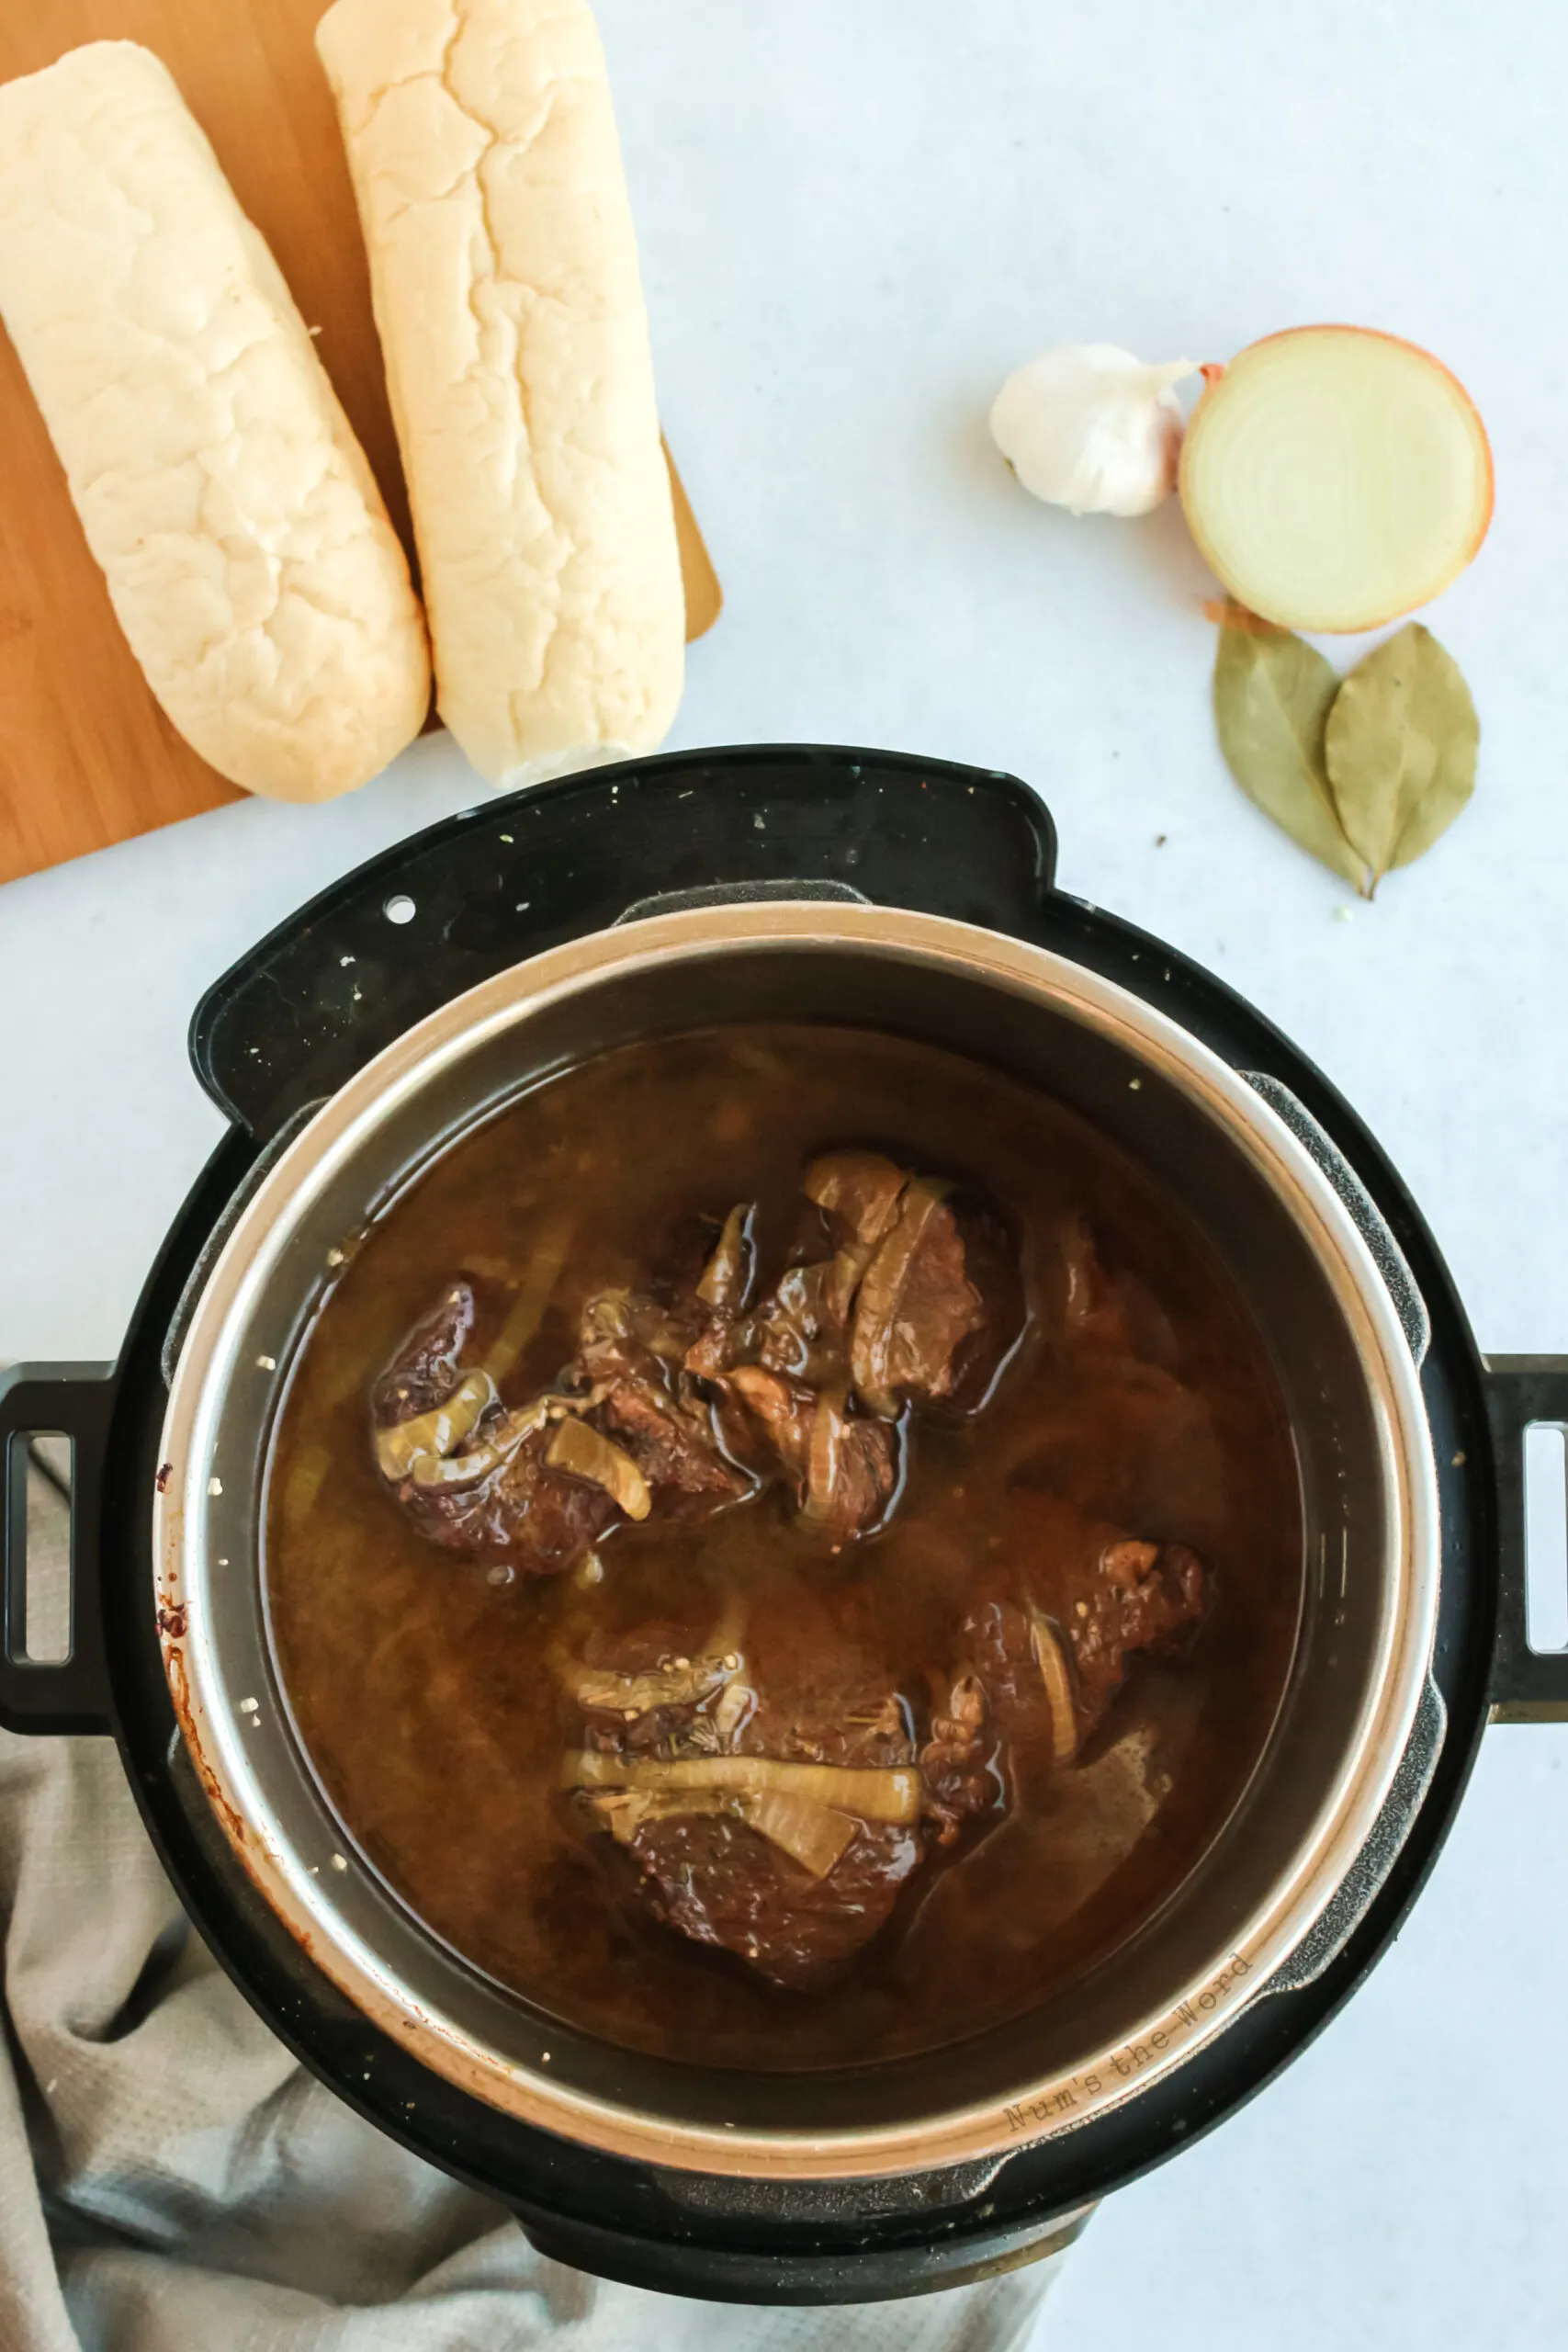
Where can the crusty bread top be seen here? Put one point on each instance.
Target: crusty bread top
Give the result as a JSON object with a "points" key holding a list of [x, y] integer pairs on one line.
{"points": [[221, 488], [503, 262]]}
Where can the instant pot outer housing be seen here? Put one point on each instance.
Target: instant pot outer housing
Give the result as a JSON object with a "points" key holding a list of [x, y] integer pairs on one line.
{"points": [[409, 1001]]}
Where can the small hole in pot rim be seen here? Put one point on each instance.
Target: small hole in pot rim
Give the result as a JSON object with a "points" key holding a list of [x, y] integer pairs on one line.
{"points": [[399, 908]]}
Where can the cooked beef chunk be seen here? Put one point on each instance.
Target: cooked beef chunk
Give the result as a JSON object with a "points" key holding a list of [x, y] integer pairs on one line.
{"points": [[664, 1689], [844, 1468], [1145, 1597], [1050, 1634], [672, 1440], [820, 1699], [716, 1880], [683, 1400], [633, 1347], [915, 1307], [424, 1373], [997, 1634], [506, 1501], [857, 1191], [766, 1790], [919, 1290], [766, 1778], [785, 1411], [539, 1485], [631, 1332], [959, 1762], [901, 1265], [851, 1470], [801, 1329]]}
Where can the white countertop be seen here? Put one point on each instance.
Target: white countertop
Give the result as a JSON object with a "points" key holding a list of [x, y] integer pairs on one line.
{"points": [[855, 222]]}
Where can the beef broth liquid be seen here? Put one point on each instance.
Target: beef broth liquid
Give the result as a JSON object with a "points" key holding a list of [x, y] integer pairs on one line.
{"points": [[421, 1681]]}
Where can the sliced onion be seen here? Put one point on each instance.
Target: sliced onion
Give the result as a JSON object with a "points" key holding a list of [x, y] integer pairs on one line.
{"points": [[813, 1835], [1336, 477], [886, 1793], [433, 1435], [1058, 1684], [843, 1275], [736, 1703], [682, 1682], [860, 1188], [533, 1294], [829, 1430], [724, 1281], [881, 1291], [306, 1477], [503, 1438], [623, 1812], [579, 1449]]}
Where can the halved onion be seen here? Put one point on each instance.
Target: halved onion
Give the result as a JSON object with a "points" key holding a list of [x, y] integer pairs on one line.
{"points": [[1336, 477]]}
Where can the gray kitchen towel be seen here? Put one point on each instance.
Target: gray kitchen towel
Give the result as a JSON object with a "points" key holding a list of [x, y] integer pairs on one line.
{"points": [[172, 2181]]}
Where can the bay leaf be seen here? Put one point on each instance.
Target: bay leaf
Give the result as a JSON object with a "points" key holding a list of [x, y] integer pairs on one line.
{"points": [[1401, 746], [1273, 694]]}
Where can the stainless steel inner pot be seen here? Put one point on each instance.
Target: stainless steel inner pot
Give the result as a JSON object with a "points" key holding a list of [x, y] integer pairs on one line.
{"points": [[1241, 1165]]}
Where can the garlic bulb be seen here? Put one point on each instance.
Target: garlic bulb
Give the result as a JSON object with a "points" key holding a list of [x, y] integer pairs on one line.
{"points": [[1091, 428]]}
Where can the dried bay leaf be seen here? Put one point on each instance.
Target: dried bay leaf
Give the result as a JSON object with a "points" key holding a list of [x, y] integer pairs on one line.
{"points": [[1399, 747], [1273, 694]]}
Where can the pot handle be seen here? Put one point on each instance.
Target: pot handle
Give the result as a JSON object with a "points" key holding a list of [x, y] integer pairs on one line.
{"points": [[1526, 1685], [433, 916], [71, 1694]]}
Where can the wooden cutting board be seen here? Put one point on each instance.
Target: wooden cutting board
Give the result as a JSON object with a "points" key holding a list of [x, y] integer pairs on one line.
{"points": [[86, 757]]}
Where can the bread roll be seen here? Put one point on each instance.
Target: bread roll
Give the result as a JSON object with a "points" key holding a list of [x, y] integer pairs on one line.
{"points": [[243, 536], [483, 149]]}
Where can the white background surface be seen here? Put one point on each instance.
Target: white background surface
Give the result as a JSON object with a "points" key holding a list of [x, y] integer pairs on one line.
{"points": [[855, 220]]}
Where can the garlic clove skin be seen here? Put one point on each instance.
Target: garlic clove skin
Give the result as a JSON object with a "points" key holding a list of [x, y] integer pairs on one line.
{"points": [[1091, 428]]}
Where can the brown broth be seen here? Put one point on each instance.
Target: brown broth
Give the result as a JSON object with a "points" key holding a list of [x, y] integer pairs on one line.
{"points": [[418, 1679]]}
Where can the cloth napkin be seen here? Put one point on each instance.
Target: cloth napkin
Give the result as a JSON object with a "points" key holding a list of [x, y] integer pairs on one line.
{"points": [[171, 2180]]}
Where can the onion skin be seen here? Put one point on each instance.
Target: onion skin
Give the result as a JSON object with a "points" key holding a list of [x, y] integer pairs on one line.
{"points": [[1376, 613]]}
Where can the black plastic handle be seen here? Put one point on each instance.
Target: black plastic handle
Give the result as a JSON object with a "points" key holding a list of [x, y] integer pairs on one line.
{"points": [[1522, 1393], [71, 1694], [313, 1003]]}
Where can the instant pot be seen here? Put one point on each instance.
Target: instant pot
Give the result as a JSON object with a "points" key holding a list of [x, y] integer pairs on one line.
{"points": [[363, 1036]]}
